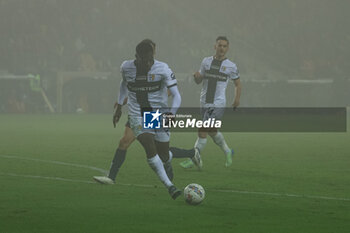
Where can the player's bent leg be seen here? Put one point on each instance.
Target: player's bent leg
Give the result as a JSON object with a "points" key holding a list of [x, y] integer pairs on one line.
{"points": [[219, 140], [163, 150], [199, 145], [196, 159], [154, 161], [119, 157], [201, 140], [166, 157], [192, 154], [118, 160], [180, 153], [148, 144]]}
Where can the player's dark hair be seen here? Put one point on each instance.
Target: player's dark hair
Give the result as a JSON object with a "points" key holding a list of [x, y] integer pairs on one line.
{"points": [[144, 49], [149, 41], [222, 38], [144, 56]]}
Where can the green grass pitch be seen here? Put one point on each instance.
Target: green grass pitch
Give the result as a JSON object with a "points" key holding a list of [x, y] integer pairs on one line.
{"points": [[279, 182]]}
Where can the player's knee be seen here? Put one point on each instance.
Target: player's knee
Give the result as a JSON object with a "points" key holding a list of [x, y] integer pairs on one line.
{"points": [[150, 151], [147, 141], [164, 155], [163, 150]]}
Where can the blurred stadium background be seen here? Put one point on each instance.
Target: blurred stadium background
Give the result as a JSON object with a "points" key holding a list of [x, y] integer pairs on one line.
{"points": [[63, 56], [67, 53]]}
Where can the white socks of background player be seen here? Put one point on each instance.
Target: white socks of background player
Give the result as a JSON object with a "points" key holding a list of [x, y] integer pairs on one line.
{"points": [[157, 165], [200, 143], [220, 141]]}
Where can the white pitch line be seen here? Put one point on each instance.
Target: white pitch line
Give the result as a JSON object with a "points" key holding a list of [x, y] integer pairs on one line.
{"points": [[103, 171], [284, 195], [46, 178], [153, 186], [71, 180], [148, 185]]}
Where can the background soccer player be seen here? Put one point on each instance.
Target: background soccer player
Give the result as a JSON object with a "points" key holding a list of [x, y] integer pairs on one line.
{"points": [[214, 73]]}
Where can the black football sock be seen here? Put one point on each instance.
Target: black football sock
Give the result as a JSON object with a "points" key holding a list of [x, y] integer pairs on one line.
{"points": [[182, 153], [117, 162]]}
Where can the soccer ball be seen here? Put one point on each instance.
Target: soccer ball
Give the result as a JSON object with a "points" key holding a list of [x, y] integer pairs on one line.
{"points": [[194, 194]]}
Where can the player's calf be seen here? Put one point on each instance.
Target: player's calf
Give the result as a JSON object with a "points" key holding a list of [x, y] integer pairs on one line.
{"points": [[127, 139]]}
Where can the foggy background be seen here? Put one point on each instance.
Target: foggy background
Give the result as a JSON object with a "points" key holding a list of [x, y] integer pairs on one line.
{"points": [[290, 53]]}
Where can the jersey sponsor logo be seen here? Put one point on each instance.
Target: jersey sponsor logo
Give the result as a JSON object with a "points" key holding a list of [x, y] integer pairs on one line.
{"points": [[217, 77], [144, 86], [151, 120], [214, 67], [223, 68], [144, 89]]}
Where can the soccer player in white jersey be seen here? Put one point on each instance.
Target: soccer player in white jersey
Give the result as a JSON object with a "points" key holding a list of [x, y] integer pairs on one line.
{"points": [[128, 138], [146, 81], [215, 72]]}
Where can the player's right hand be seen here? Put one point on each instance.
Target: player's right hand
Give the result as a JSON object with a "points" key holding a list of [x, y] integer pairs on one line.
{"points": [[235, 105], [197, 77], [117, 114]]}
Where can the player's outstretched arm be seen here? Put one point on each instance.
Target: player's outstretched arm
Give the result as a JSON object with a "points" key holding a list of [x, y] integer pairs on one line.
{"points": [[238, 90]]}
